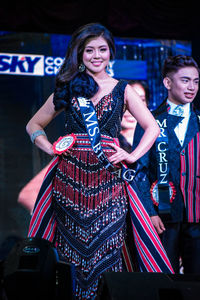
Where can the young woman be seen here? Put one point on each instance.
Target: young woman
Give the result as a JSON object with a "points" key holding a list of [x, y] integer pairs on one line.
{"points": [[89, 201]]}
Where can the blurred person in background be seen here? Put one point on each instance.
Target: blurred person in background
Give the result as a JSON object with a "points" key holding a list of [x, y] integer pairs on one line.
{"points": [[128, 123]]}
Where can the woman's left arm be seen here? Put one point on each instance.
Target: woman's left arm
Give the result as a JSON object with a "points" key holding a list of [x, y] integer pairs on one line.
{"points": [[146, 120]]}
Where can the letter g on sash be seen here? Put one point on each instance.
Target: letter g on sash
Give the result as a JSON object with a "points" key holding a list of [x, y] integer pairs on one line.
{"points": [[129, 175]]}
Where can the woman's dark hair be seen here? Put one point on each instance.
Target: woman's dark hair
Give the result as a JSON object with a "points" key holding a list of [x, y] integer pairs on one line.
{"points": [[173, 63], [69, 81]]}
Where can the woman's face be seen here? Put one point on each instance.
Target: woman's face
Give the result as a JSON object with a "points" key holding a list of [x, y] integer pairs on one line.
{"points": [[96, 55]]}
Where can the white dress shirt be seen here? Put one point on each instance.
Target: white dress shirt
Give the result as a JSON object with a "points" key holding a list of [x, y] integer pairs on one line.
{"points": [[181, 128]]}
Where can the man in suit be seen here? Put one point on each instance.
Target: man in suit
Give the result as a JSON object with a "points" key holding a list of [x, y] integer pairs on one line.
{"points": [[170, 185]]}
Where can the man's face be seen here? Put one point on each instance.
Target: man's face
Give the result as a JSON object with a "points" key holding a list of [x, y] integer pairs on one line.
{"points": [[183, 85]]}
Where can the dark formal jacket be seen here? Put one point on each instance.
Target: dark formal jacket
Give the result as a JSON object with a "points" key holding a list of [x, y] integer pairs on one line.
{"points": [[183, 167]]}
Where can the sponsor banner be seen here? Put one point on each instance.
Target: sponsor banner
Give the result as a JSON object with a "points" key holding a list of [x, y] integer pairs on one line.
{"points": [[40, 65], [21, 64]]}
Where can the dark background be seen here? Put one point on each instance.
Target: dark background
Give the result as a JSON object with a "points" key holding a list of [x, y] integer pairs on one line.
{"points": [[176, 19], [162, 19], [143, 19]]}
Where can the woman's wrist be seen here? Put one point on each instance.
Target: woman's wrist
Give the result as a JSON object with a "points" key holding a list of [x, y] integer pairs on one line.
{"points": [[50, 152], [43, 143], [133, 157], [48, 149]]}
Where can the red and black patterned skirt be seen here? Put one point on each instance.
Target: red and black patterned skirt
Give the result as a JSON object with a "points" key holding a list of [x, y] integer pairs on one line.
{"points": [[91, 206]]}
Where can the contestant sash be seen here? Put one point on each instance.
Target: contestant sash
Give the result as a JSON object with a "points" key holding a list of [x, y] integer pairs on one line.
{"points": [[150, 252], [91, 124], [162, 188]]}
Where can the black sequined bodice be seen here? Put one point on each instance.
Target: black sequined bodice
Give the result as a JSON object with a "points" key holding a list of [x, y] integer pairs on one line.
{"points": [[109, 111]]}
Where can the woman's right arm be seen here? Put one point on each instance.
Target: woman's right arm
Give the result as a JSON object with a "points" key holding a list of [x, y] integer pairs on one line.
{"points": [[39, 121]]}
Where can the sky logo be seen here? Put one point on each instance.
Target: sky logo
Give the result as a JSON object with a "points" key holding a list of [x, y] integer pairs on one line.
{"points": [[21, 64]]}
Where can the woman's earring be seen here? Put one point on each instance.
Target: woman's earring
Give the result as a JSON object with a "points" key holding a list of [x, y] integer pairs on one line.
{"points": [[108, 68], [81, 67]]}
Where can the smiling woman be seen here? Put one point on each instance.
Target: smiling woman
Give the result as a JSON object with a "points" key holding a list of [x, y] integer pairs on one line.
{"points": [[86, 217]]}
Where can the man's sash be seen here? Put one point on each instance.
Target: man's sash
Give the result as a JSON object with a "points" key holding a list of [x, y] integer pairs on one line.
{"points": [[163, 191], [163, 169]]}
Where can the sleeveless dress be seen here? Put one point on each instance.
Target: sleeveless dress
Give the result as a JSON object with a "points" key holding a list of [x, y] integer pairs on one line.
{"points": [[90, 202]]}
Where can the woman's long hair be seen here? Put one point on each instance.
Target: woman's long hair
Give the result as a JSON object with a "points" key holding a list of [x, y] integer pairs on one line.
{"points": [[69, 81]]}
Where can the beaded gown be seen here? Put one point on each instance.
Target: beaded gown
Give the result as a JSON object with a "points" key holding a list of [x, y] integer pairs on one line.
{"points": [[90, 202]]}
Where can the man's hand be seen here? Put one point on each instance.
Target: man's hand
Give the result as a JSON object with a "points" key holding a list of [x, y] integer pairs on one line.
{"points": [[158, 224]]}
